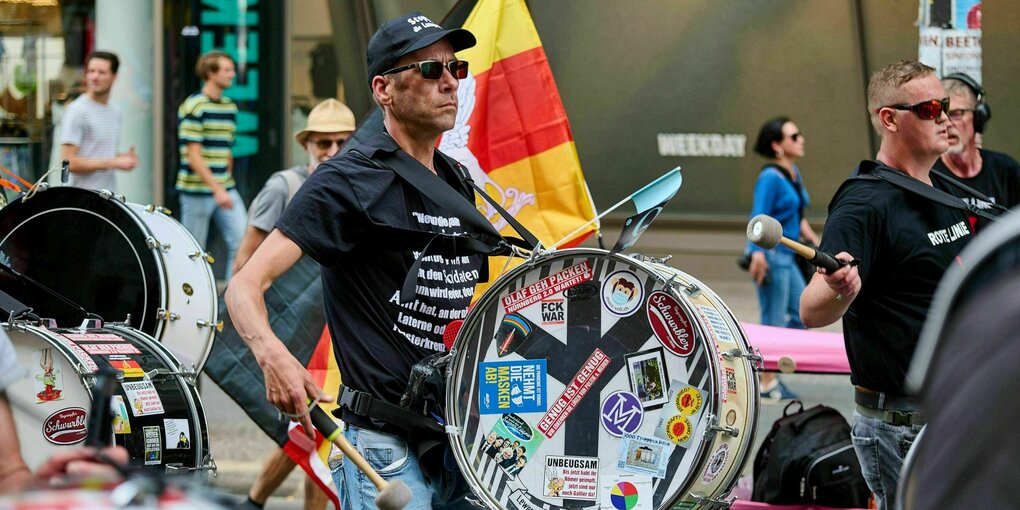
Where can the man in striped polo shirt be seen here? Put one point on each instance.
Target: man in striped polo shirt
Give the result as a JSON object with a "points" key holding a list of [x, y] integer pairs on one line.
{"points": [[90, 129], [206, 128]]}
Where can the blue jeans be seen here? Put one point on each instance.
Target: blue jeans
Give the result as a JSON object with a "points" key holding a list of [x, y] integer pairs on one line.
{"points": [[393, 459], [779, 295], [198, 209], [881, 448]]}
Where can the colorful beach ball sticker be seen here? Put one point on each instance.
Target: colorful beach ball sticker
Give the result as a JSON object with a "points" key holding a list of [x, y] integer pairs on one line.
{"points": [[624, 496]]}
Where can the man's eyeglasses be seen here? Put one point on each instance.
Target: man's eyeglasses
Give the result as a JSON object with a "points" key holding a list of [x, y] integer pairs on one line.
{"points": [[957, 114], [433, 69], [925, 110], [326, 143]]}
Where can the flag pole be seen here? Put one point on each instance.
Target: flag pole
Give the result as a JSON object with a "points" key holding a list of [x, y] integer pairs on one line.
{"points": [[611, 209]]}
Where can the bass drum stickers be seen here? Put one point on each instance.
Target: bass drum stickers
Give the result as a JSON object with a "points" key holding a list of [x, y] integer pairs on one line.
{"points": [[573, 321], [622, 293]]}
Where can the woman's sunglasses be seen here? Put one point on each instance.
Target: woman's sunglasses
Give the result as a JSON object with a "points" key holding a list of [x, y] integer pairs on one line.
{"points": [[925, 110], [433, 69]]}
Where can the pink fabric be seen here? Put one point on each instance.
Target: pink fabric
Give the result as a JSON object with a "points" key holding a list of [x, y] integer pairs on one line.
{"points": [[817, 352], [755, 505]]}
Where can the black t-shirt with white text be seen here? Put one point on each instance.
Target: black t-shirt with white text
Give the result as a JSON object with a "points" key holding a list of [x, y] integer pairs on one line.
{"points": [[347, 217], [905, 243]]}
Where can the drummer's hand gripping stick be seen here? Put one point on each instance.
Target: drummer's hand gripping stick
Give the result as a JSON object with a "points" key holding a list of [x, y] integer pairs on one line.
{"points": [[392, 495], [766, 232]]}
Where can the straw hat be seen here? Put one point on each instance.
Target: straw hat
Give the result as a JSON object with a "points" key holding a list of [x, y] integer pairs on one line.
{"points": [[329, 116]]}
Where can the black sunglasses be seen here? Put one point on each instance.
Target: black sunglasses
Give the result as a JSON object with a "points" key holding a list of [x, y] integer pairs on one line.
{"points": [[796, 136], [433, 69], [925, 110], [326, 143]]}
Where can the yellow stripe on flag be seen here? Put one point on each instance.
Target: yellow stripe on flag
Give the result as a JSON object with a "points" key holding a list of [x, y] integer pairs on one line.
{"points": [[502, 29]]}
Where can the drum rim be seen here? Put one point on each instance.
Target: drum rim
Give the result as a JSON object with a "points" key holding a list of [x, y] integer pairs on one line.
{"points": [[702, 454], [136, 249]]}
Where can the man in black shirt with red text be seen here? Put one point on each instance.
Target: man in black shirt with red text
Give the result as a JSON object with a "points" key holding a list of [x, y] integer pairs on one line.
{"points": [[904, 242]]}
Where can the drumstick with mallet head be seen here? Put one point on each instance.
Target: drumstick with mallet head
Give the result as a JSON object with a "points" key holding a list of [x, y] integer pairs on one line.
{"points": [[392, 495], [766, 232]]}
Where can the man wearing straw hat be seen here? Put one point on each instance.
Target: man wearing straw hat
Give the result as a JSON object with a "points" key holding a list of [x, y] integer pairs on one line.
{"points": [[330, 124]]}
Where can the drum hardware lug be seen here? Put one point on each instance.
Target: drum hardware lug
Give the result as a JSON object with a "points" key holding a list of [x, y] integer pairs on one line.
{"points": [[692, 290], [153, 244], [196, 254], [90, 324], [708, 503], [157, 208], [157, 372], [164, 314], [107, 194], [204, 323], [126, 323], [757, 361], [722, 429], [177, 468]]}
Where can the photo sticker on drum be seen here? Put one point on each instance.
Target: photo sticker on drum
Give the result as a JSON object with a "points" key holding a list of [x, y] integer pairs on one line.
{"points": [[142, 398], [716, 463], [648, 377], [177, 433], [644, 455], [125, 364], [670, 324], [153, 446], [571, 478], [121, 419], [66, 426], [622, 293], [512, 334], [622, 413], [47, 376], [511, 387], [509, 446], [548, 286]]}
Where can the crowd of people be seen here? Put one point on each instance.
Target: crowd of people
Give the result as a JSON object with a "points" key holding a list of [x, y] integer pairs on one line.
{"points": [[354, 210]]}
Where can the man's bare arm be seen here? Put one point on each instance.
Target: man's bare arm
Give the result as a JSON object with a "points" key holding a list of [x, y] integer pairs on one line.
{"points": [[253, 238], [288, 383], [82, 165], [828, 296]]}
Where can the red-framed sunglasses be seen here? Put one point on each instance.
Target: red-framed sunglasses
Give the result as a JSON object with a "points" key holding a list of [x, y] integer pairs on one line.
{"points": [[925, 110]]}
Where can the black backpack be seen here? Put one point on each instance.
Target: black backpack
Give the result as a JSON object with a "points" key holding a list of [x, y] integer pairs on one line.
{"points": [[807, 458]]}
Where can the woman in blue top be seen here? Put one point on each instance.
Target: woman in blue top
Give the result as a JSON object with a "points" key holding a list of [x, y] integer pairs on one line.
{"points": [[780, 193]]}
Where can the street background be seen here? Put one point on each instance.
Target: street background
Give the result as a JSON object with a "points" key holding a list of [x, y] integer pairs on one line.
{"points": [[706, 253]]}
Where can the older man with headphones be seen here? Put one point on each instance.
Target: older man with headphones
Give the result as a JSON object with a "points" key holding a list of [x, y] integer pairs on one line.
{"points": [[993, 173]]}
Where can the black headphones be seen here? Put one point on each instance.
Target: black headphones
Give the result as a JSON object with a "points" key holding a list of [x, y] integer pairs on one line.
{"points": [[982, 112]]}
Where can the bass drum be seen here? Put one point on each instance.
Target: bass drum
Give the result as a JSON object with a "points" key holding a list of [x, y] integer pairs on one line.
{"points": [[585, 379], [114, 259], [158, 414]]}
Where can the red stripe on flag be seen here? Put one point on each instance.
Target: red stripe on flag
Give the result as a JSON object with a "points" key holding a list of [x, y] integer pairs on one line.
{"points": [[318, 363], [301, 450], [517, 100]]}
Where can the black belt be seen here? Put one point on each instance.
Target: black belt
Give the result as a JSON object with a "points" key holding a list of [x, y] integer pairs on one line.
{"points": [[363, 405], [892, 409]]}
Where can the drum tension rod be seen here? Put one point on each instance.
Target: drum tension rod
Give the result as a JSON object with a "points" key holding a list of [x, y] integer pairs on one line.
{"points": [[757, 361], [202, 323], [157, 208], [196, 254], [177, 468], [722, 429], [152, 243], [708, 503], [109, 194], [164, 314]]}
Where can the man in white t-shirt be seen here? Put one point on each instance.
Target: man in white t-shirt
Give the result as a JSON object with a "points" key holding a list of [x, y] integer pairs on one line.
{"points": [[90, 129]]}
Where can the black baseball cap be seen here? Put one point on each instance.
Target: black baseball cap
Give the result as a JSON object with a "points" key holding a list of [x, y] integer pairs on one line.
{"points": [[406, 34]]}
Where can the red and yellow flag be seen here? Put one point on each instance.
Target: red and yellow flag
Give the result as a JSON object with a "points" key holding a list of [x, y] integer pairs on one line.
{"points": [[512, 131]]}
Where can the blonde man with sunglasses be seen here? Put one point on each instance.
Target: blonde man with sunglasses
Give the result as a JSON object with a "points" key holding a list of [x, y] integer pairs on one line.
{"points": [[367, 217], [904, 243]]}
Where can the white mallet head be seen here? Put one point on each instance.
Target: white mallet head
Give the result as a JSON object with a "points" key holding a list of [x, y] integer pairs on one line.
{"points": [[764, 231]]}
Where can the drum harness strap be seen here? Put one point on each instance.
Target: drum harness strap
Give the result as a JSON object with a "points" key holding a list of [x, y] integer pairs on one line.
{"points": [[491, 243]]}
